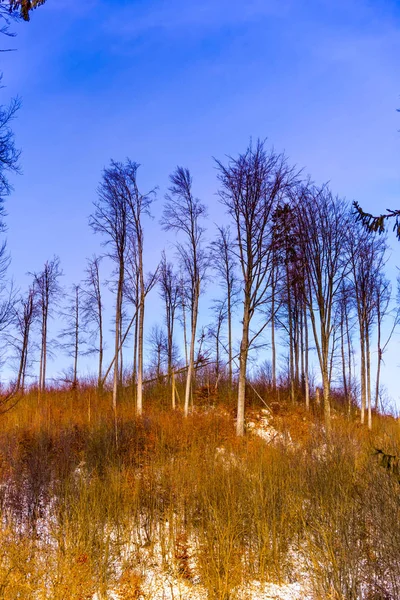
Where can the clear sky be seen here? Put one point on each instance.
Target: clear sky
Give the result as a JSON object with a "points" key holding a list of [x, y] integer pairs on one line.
{"points": [[180, 81]]}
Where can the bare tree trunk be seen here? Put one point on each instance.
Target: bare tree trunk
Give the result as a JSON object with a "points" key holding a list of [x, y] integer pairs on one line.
{"points": [[24, 371], [379, 348], [383, 295], [332, 354], [290, 324], [230, 355], [22, 362], [139, 398], [93, 310], [192, 346], [135, 343], [118, 313], [306, 382], [244, 349], [273, 345], [296, 346], [76, 339], [184, 330], [349, 348], [101, 350], [217, 358], [301, 335], [368, 373], [135, 356], [322, 346], [173, 390], [121, 350], [363, 373], [44, 350], [327, 404], [343, 355], [25, 319]]}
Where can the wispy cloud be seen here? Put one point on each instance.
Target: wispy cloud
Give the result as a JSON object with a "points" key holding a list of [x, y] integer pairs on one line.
{"points": [[182, 17]]}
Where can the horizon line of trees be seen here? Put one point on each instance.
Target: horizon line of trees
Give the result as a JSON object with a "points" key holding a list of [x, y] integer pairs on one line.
{"points": [[296, 271], [295, 265]]}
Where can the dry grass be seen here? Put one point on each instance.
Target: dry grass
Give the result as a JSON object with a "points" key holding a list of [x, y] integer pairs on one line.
{"points": [[78, 511]]}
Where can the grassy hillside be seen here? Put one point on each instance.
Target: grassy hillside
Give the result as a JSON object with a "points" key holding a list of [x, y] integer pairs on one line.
{"points": [[185, 504]]}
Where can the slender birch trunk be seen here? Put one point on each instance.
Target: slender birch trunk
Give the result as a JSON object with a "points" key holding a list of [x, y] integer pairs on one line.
{"points": [[76, 339], [363, 373], [192, 347], [118, 312], [244, 350], [368, 374], [273, 345], [139, 398], [306, 381]]}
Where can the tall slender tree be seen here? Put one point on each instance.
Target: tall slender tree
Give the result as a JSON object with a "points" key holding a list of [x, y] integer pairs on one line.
{"points": [[251, 187], [118, 216], [367, 254], [383, 296], [92, 312], [169, 292], [139, 205], [183, 213], [224, 264], [47, 289], [323, 223], [25, 313], [73, 334], [111, 219]]}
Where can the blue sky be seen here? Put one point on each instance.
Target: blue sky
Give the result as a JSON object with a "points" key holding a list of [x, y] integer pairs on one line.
{"points": [[179, 82]]}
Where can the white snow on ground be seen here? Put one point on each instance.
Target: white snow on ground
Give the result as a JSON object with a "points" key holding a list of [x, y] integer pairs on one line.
{"points": [[158, 584], [161, 584], [263, 428]]}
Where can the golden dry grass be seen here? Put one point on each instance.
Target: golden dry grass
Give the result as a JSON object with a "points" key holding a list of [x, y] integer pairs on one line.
{"points": [[79, 512]]}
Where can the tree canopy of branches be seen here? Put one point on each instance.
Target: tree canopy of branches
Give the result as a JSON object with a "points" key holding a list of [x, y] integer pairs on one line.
{"points": [[322, 220], [47, 290], [183, 213], [252, 185], [117, 215]]}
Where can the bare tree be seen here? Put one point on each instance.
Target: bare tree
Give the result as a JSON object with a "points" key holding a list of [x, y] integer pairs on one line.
{"points": [[158, 341], [183, 302], [25, 313], [274, 310], [73, 333], [183, 213], [118, 213], [322, 221], [220, 310], [169, 292], [251, 187], [224, 263], [111, 219], [139, 205], [286, 258], [366, 253], [92, 310], [9, 154], [47, 290], [383, 295], [346, 307]]}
